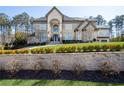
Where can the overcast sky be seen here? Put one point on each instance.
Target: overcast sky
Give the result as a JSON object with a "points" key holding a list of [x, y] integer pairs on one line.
{"points": [[108, 12]]}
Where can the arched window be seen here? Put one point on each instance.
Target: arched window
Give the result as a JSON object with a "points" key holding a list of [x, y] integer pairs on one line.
{"points": [[55, 28]]}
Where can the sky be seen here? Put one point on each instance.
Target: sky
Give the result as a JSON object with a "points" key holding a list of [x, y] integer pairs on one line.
{"points": [[108, 12]]}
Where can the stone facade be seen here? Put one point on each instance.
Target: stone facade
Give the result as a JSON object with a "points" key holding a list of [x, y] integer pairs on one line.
{"points": [[56, 27], [91, 60]]}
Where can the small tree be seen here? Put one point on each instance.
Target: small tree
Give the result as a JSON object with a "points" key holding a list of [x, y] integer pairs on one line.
{"points": [[13, 67], [109, 69], [56, 68], [20, 38], [37, 66], [78, 69]]}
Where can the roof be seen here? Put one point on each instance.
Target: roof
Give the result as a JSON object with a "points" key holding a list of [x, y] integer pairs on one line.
{"points": [[65, 18], [40, 19], [102, 26], [52, 10]]}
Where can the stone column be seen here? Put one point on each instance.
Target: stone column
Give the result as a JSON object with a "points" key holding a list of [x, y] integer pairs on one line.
{"points": [[60, 32], [75, 35], [82, 35], [49, 32]]}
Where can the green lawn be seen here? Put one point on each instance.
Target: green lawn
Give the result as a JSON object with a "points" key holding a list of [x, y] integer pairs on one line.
{"points": [[20, 82]]}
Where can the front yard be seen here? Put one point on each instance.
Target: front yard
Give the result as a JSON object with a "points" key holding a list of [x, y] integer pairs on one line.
{"points": [[14, 65]]}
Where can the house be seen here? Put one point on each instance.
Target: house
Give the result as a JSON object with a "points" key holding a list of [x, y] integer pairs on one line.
{"points": [[56, 27]]}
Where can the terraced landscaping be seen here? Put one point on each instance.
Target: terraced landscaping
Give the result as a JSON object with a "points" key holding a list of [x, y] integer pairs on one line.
{"points": [[64, 80]]}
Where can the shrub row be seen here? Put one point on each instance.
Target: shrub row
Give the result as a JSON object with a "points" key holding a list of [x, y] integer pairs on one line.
{"points": [[106, 68], [67, 49], [22, 51], [42, 50]]}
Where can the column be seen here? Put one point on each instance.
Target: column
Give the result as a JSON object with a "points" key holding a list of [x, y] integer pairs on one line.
{"points": [[49, 32], [75, 35], [60, 29]]}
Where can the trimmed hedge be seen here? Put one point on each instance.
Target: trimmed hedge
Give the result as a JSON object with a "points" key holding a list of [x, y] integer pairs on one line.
{"points": [[67, 49], [42, 50]]}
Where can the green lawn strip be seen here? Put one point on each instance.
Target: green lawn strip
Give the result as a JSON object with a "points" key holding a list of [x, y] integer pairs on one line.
{"points": [[21, 82]]}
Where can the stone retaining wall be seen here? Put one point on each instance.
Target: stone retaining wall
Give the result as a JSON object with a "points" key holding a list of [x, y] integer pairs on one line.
{"points": [[90, 60]]}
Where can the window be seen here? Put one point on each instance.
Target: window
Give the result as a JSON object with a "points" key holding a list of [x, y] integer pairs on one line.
{"points": [[43, 37], [68, 36], [103, 40], [55, 28], [43, 27], [68, 26], [79, 35]]}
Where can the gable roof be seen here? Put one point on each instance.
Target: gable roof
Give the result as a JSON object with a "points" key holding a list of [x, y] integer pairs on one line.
{"points": [[52, 10], [89, 24], [82, 26]]}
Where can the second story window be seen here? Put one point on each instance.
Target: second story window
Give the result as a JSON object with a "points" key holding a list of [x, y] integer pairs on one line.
{"points": [[55, 28]]}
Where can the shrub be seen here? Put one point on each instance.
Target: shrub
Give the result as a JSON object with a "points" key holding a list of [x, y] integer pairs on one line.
{"points": [[104, 47], [117, 47], [122, 46], [108, 69], [37, 66], [13, 67], [90, 48], [48, 50], [42, 50], [111, 47], [1, 51], [97, 48], [79, 49], [9, 52], [85, 48], [56, 68], [70, 49], [61, 50], [37, 51], [78, 69], [22, 51], [66, 49]]}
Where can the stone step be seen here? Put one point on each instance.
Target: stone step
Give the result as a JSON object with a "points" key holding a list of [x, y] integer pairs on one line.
{"points": [[54, 42]]}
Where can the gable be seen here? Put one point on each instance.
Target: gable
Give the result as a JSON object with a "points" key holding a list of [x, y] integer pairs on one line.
{"points": [[54, 14], [54, 8], [89, 27], [86, 25]]}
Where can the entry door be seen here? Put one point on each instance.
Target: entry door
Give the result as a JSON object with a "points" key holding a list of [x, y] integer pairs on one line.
{"points": [[55, 38]]}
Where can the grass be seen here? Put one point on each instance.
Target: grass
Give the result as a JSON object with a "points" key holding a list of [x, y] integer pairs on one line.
{"points": [[20, 82]]}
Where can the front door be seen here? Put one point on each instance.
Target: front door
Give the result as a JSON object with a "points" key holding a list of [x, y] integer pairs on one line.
{"points": [[55, 37]]}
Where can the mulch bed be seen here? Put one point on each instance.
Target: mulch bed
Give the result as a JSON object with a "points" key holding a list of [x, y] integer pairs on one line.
{"points": [[94, 76]]}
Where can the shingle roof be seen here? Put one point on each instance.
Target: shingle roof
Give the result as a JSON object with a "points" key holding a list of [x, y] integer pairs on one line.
{"points": [[67, 18], [40, 19], [103, 26]]}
